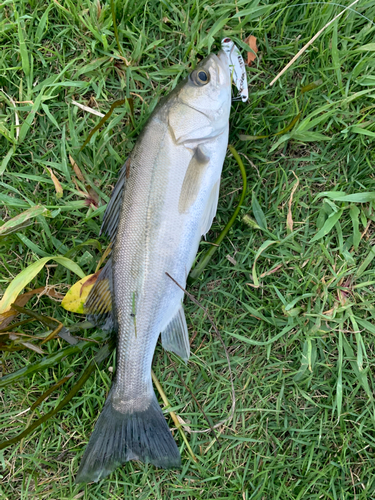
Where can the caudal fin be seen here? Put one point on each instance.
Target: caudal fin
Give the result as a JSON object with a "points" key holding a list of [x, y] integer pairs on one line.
{"points": [[119, 437]]}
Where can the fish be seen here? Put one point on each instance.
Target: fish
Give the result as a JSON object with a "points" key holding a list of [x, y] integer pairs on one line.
{"points": [[164, 201]]}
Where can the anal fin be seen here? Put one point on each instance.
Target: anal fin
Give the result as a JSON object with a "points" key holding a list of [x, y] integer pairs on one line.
{"points": [[175, 337]]}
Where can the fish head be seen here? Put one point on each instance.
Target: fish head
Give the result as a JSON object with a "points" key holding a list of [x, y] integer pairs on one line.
{"points": [[201, 108]]}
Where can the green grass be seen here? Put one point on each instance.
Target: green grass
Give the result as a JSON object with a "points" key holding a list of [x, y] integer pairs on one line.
{"points": [[305, 410]]}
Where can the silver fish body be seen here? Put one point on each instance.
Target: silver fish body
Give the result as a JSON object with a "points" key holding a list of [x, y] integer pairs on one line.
{"points": [[165, 200]]}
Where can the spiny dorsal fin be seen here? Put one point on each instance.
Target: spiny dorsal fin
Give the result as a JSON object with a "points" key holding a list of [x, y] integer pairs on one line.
{"points": [[175, 337], [192, 181], [211, 207], [99, 303], [112, 212]]}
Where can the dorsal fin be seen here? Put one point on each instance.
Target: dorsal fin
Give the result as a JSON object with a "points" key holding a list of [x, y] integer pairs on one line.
{"points": [[112, 212], [99, 304]]}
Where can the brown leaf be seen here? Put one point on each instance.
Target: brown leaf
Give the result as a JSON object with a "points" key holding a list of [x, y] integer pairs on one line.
{"points": [[80, 192], [289, 219], [271, 271], [76, 169], [93, 198], [7, 317], [32, 347], [90, 281], [91, 195], [58, 186], [53, 334], [252, 43], [99, 8]]}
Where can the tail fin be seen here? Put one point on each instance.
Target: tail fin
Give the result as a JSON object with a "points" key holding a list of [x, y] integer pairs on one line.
{"points": [[119, 437]]}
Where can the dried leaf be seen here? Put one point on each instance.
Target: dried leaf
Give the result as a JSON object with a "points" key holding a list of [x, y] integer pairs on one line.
{"points": [[99, 8], [76, 169], [80, 192], [7, 317], [91, 281], [289, 219], [76, 297], [22, 220], [252, 43], [32, 347], [17, 335], [271, 271], [231, 260], [93, 198], [58, 186], [29, 273]]}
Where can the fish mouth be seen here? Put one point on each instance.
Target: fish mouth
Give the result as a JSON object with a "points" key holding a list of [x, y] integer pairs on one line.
{"points": [[222, 64]]}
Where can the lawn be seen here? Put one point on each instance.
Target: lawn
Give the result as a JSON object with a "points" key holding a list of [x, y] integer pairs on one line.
{"points": [[290, 289]]}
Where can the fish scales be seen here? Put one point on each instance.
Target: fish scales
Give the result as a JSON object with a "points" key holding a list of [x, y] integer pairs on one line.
{"points": [[168, 201]]}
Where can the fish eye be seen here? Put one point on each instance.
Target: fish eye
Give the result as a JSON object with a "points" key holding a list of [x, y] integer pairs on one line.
{"points": [[200, 77]]}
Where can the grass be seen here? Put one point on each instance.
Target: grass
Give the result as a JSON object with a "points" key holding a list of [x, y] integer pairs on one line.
{"points": [[295, 309]]}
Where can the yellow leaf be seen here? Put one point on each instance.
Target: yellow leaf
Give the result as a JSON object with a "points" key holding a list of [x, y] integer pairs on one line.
{"points": [[76, 297], [26, 275]]}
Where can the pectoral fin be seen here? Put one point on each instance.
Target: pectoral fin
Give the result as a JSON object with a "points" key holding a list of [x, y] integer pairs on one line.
{"points": [[211, 208], [192, 181], [175, 337]]}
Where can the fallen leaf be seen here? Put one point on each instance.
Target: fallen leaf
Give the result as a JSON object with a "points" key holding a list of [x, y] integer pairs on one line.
{"points": [[99, 9], [29, 273], [231, 260], [91, 196], [76, 169], [58, 186], [17, 335], [271, 271], [289, 219], [7, 317], [22, 220], [54, 333], [80, 192], [76, 296], [32, 347], [252, 43], [91, 281]]}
